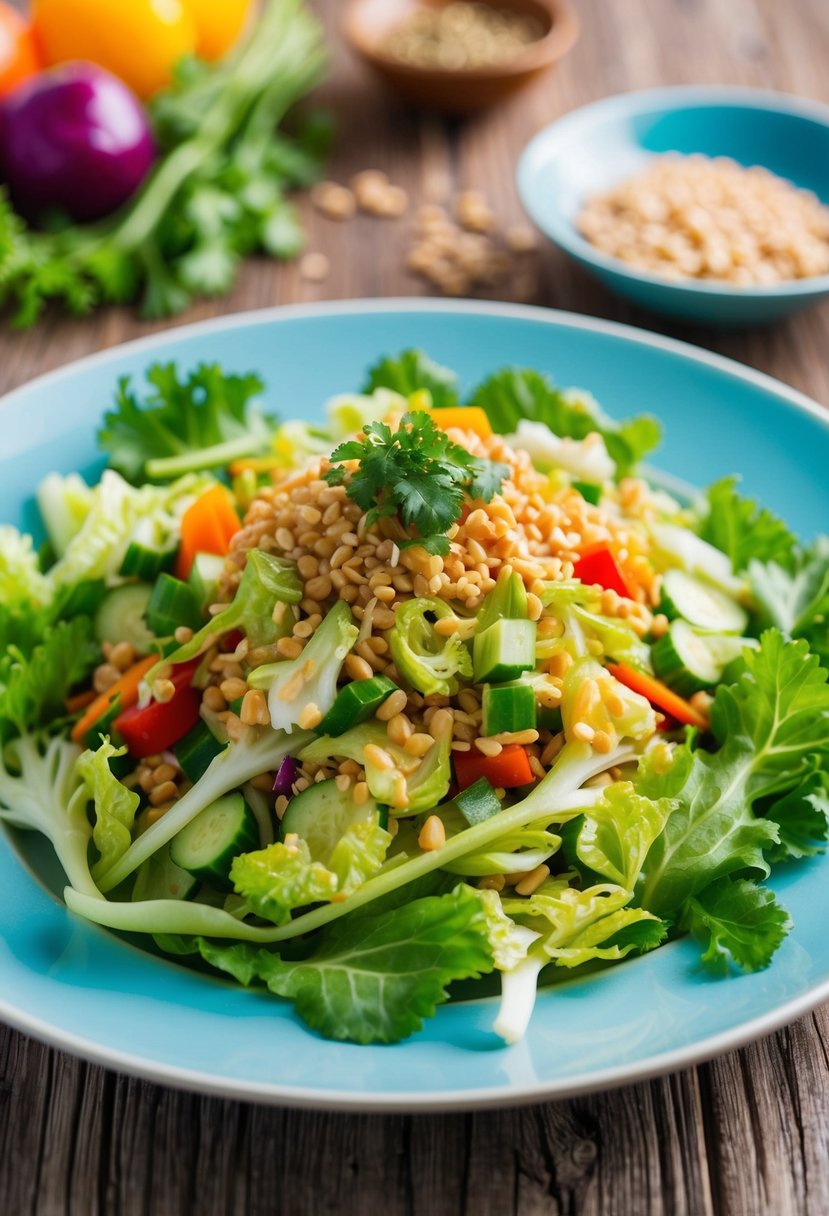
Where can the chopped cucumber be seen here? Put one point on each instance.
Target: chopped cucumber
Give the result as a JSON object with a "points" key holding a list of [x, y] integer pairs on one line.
{"points": [[506, 601], [503, 651], [172, 603], [700, 603], [84, 599], [122, 617], [679, 546], [589, 491], [689, 660], [356, 703], [143, 562], [478, 802], [204, 578], [103, 725], [197, 751], [508, 707], [160, 878], [207, 845], [321, 815]]}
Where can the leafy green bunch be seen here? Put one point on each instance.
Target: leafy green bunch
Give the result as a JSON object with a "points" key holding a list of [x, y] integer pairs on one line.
{"points": [[513, 394], [217, 195]]}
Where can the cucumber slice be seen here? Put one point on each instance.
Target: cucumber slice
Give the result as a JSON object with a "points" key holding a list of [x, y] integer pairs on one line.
{"points": [[160, 878], [172, 603], [197, 751], [207, 845], [204, 578], [683, 658], [103, 725], [356, 703], [589, 491], [321, 814], [122, 617], [700, 603], [681, 547], [143, 562]]}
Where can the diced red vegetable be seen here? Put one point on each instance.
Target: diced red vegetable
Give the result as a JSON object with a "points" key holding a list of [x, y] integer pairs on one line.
{"points": [[507, 770], [597, 565], [286, 775], [153, 728]]}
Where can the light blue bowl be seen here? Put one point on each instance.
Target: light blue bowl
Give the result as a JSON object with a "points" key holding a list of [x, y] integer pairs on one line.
{"points": [[593, 148], [107, 998]]}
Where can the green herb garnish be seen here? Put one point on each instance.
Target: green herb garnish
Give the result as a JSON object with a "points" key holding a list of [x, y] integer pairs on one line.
{"points": [[417, 473]]}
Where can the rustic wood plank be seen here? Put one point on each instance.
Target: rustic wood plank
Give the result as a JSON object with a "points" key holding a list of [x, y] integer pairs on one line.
{"points": [[744, 1135]]}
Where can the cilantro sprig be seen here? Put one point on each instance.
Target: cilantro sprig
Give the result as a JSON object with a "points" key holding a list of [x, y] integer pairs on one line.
{"points": [[416, 473]]}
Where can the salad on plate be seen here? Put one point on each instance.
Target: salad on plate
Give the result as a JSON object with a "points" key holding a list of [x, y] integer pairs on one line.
{"points": [[362, 712]]}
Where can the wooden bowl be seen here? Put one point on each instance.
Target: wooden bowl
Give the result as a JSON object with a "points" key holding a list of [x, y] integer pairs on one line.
{"points": [[458, 90]]}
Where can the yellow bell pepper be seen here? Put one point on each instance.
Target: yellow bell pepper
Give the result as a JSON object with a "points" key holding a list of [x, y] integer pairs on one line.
{"points": [[140, 41], [464, 417], [219, 24]]}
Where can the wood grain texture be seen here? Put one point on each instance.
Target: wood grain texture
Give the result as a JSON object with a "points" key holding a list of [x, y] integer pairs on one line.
{"points": [[746, 1135]]}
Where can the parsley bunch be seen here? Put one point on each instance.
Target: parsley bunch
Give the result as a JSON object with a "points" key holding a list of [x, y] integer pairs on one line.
{"points": [[216, 195], [416, 473]]}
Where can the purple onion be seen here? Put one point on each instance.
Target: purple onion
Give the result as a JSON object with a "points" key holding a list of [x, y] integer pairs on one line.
{"points": [[74, 140], [286, 775]]}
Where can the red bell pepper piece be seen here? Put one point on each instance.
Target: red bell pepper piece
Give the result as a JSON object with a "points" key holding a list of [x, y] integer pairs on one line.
{"points": [[505, 771], [150, 729], [597, 565]]}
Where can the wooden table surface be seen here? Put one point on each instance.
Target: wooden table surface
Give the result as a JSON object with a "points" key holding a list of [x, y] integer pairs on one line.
{"points": [[744, 1135]]}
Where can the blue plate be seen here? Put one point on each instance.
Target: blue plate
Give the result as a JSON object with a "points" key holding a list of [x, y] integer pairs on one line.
{"points": [[105, 998], [591, 149]]}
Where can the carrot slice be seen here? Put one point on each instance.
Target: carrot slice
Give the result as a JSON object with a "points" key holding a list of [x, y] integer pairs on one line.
{"points": [[464, 417], [507, 770], [127, 687], [208, 526], [658, 694]]}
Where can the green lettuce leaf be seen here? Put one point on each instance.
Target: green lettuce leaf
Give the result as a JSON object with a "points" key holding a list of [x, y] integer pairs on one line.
{"points": [[796, 601], [773, 727], [21, 579], [117, 509], [281, 877], [577, 927], [411, 372], [373, 978], [738, 921], [508, 941], [285, 875], [616, 834], [802, 817], [512, 395], [114, 804], [743, 530], [34, 685], [200, 420]]}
